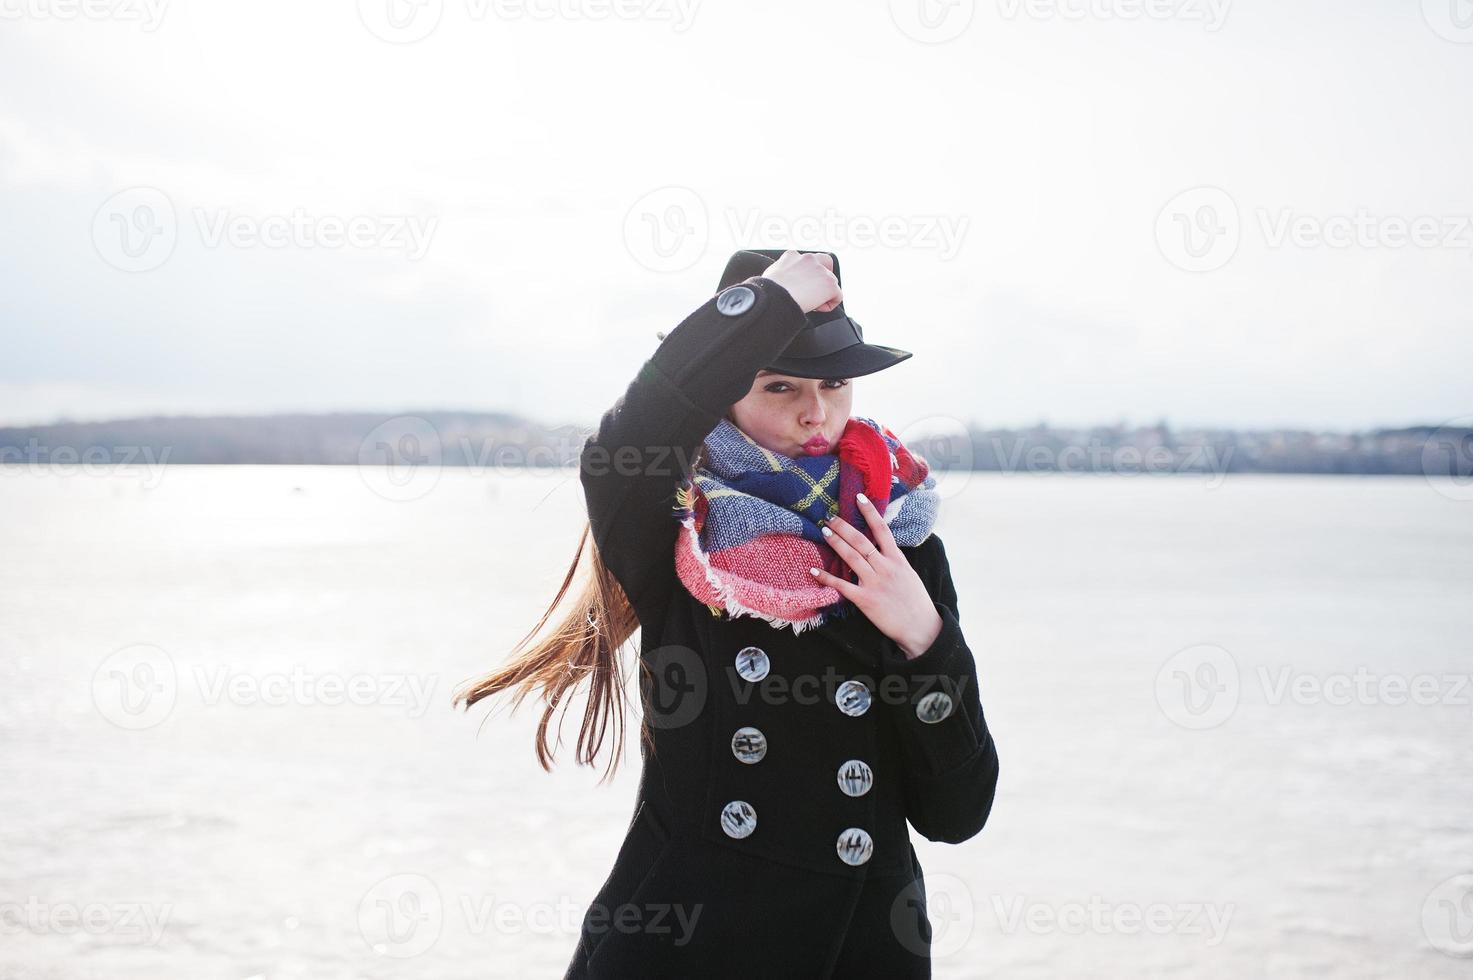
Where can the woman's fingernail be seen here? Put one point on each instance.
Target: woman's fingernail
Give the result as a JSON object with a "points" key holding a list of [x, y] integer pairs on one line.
{"points": [[861, 498], [827, 533], [813, 571]]}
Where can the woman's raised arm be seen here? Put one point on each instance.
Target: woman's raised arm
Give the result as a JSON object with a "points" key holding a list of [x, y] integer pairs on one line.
{"points": [[646, 442]]}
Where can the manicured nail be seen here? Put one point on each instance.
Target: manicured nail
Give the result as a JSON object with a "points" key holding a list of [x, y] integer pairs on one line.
{"points": [[827, 533], [861, 498], [813, 571]]}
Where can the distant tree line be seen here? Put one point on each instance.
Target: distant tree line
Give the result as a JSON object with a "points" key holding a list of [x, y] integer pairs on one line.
{"points": [[494, 440]]}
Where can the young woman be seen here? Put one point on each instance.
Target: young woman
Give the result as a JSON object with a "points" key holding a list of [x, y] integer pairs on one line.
{"points": [[805, 683]]}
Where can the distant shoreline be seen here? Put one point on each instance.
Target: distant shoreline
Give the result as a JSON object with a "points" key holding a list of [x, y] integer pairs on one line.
{"points": [[485, 440]]}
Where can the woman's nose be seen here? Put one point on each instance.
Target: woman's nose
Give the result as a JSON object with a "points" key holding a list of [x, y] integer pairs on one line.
{"points": [[813, 409]]}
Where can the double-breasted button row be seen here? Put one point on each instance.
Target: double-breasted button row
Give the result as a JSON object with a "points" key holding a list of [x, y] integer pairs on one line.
{"points": [[853, 698], [855, 776], [752, 663], [934, 707], [855, 846], [738, 819], [749, 745]]}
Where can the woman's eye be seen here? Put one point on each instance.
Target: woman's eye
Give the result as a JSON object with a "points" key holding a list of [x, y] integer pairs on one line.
{"points": [[779, 387]]}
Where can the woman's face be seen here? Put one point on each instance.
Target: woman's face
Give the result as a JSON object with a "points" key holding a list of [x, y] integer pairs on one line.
{"points": [[794, 416]]}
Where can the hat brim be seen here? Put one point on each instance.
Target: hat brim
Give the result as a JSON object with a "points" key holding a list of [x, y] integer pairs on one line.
{"points": [[852, 362]]}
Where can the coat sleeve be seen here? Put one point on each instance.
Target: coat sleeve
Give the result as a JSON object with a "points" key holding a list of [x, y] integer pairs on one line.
{"points": [[950, 763], [645, 443]]}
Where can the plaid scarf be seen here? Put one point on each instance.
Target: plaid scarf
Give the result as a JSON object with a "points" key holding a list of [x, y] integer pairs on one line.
{"points": [[752, 520]]}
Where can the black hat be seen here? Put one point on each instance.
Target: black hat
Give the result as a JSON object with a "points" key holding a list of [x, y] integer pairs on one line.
{"points": [[831, 345]]}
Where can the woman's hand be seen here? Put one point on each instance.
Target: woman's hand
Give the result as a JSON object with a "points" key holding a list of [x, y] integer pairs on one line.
{"points": [[808, 278], [889, 591]]}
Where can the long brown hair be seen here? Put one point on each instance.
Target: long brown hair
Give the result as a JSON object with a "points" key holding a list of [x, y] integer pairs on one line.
{"points": [[585, 644]]}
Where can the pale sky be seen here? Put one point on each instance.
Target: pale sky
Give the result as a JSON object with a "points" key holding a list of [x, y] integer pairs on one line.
{"points": [[1037, 167]]}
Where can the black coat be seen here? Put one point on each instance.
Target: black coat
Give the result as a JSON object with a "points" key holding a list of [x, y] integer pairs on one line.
{"points": [[701, 889]]}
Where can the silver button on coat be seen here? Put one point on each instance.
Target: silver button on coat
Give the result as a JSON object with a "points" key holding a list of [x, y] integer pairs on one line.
{"points": [[752, 663], [855, 846], [736, 300], [856, 777], [738, 819], [852, 697], [934, 707], [749, 744]]}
